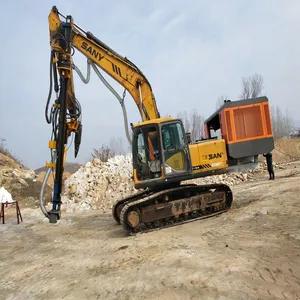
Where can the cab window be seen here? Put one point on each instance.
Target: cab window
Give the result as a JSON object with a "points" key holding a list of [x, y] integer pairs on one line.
{"points": [[173, 137]]}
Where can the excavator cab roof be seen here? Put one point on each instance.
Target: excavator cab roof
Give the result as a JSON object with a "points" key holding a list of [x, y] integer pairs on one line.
{"points": [[154, 121]]}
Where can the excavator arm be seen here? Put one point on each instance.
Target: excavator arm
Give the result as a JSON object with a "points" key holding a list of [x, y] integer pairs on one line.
{"points": [[118, 67]]}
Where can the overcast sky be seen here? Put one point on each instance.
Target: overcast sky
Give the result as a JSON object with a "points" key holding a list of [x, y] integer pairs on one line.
{"points": [[192, 52]]}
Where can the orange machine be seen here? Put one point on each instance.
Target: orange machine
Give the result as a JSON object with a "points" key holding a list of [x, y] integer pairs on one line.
{"points": [[246, 127]]}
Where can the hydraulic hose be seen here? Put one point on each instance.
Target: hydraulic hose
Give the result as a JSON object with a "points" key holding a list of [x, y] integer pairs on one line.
{"points": [[119, 98], [88, 74], [42, 202], [48, 119]]}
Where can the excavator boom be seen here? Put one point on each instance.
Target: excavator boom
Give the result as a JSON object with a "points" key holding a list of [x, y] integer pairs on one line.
{"points": [[118, 67]]}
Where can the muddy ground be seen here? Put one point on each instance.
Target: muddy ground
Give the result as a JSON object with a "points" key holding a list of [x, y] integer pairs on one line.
{"points": [[250, 252]]}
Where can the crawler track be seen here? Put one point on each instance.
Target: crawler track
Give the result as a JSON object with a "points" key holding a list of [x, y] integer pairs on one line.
{"points": [[144, 212]]}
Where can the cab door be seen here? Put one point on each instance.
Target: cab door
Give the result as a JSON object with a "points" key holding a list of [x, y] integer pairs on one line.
{"points": [[146, 152]]}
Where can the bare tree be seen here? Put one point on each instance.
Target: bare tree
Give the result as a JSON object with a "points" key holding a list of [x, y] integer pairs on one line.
{"points": [[104, 153], [282, 123], [183, 115], [193, 122], [5, 151], [252, 86], [245, 88], [116, 145]]}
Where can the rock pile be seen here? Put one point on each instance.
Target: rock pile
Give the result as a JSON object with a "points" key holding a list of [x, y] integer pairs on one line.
{"points": [[228, 179], [20, 182], [16, 178], [97, 185]]}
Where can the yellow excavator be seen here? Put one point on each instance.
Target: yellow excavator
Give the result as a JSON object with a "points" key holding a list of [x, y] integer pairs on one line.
{"points": [[163, 156]]}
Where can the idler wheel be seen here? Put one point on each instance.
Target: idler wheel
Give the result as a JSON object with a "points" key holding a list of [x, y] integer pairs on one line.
{"points": [[133, 219]]}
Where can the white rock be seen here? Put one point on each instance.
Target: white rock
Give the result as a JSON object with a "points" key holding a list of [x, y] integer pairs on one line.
{"points": [[5, 196], [16, 173], [30, 174], [73, 189], [98, 182], [23, 182]]}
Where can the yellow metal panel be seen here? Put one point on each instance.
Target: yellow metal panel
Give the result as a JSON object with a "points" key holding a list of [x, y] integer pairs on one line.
{"points": [[208, 156], [195, 157], [54, 22], [154, 121], [50, 165], [135, 179], [65, 154], [176, 161], [52, 144]]}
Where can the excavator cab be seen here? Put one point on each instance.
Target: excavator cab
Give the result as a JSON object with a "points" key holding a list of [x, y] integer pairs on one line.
{"points": [[160, 153]]}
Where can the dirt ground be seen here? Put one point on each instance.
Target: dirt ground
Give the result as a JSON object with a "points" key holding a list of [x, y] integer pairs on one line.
{"points": [[250, 252], [286, 150]]}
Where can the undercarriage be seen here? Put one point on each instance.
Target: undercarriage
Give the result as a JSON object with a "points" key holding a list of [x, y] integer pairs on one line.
{"points": [[146, 211]]}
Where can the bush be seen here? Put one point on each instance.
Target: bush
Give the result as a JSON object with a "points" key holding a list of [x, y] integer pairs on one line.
{"points": [[104, 153]]}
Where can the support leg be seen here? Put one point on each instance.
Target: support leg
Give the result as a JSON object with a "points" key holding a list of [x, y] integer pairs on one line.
{"points": [[19, 215], [2, 213]]}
